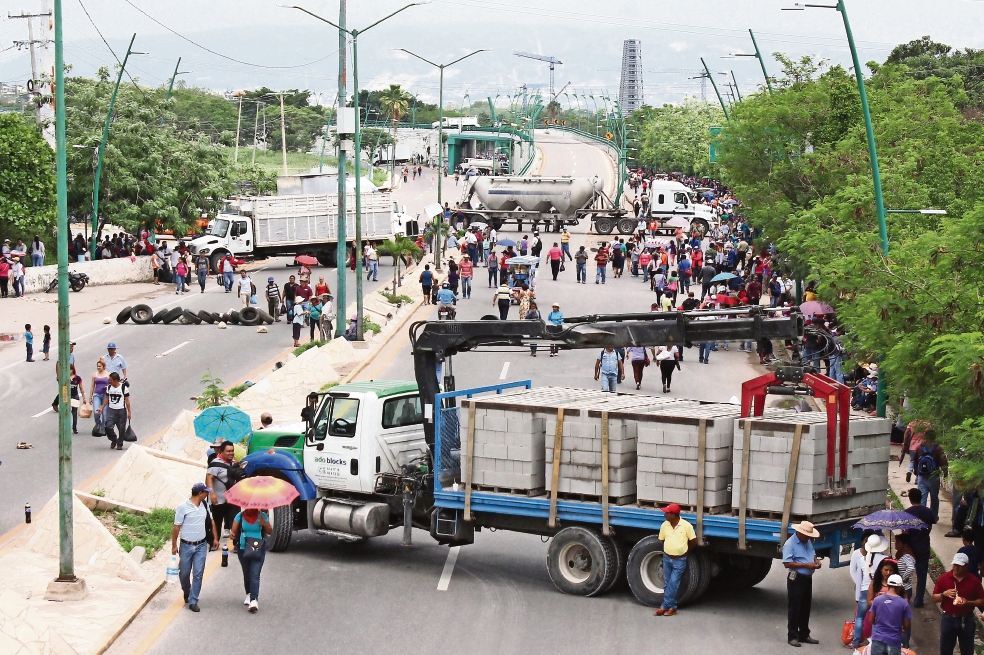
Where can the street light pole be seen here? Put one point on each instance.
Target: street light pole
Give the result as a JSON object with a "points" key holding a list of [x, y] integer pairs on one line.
{"points": [[102, 147], [758, 55], [358, 153], [170, 86], [714, 84], [440, 143]]}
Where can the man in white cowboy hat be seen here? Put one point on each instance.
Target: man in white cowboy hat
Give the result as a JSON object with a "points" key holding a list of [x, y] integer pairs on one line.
{"points": [[800, 560], [864, 562]]}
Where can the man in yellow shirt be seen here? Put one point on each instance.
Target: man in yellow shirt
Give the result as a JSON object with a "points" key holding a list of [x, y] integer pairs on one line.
{"points": [[678, 538], [565, 244]]}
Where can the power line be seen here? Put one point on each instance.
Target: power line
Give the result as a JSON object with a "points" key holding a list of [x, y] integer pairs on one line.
{"points": [[108, 47]]}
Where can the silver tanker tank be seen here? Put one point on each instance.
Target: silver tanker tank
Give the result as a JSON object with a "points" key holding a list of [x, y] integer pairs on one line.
{"points": [[563, 195]]}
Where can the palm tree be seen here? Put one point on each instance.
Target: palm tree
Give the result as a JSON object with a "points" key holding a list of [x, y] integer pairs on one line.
{"points": [[395, 102], [401, 248]]}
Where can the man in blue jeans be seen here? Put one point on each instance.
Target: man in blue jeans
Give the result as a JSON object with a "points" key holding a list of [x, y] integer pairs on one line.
{"points": [[931, 465], [957, 622], [609, 369], [189, 525], [678, 538], [919, 541], [704, 352]]}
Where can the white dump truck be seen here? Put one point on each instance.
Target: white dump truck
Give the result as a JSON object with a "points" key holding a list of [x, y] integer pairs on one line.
{"points": [[267, 226]]}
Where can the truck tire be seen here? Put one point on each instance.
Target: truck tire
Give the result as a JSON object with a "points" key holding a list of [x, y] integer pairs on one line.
{"points": [[604, 225], [328, 258], [191, 317], [217, 317], [617, 573], [172, 315], [701, 226], [740, 571], [579, 561], [250, 316], [283, 528], [215, 259], [142, 314], [495, 224], [761, 566], [264, 317], [234, 317], [627, 225], [124, 315], [644, 571], [697, 577], [206, 316]]}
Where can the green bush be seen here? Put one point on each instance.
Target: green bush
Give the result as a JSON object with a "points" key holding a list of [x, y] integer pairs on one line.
{"points": [[369, 325], [392, 298], [151, 531], [300, 350], [238, 389], [327, 385]]}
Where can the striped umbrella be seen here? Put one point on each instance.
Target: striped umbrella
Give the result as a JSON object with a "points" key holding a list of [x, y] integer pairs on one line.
{"points": [[261, 492]]}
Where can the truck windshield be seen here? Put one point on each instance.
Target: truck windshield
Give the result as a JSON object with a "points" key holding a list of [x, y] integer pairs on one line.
{"points": [[218, 228]]}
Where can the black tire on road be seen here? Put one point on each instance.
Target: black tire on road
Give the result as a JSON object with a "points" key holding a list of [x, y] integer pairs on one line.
{"points": [[216, 317], [206, 316], [579, 561], [644, 571], [627, 225], [234, 317], [159, 316], [142, 314], [124, 315], [191, 317], [250, 316], [604, 225], [172, 315], [697, 576], [762, 567], [740, 571], [265, 317], [283, 528], [77, 285]]}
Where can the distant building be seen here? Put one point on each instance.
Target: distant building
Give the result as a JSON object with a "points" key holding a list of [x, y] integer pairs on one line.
{"points": [[630, 96]]}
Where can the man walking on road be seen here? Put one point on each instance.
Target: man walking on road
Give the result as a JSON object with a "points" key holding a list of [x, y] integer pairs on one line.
{"points": [[372, 259], [244, 288], [678, 538], [116, 409], [222, 474], [601, 259], [891, 618], [919, 541], [931, 465], [707, 274], [800, 561], [189, 524], [609, 369], [581, 266], [466, 269], [565, 244], [273, 298], [503, 298], [958, 593], [114, 362]]}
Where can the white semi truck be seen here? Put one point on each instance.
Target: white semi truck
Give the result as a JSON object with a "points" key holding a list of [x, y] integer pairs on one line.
{"points": [[268, 226]]}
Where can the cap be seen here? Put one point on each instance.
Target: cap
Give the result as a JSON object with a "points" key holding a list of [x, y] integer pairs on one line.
{"points": [[895, 580], [199, 487], [111, 345], [807, 528], [672, 508], [557, 305], [71, 343], [270, 279], [961, 559]]}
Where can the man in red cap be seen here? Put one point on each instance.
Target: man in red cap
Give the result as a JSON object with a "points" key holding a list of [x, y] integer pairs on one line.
{"points": [[678, 538]]}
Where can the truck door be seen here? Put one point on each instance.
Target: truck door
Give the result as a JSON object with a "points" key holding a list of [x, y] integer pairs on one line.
{"points": [[332, 448], [401, 434], [240, 237]]}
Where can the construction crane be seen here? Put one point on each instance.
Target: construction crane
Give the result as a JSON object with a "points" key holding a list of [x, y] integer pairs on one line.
{"points": [[553, 61]]}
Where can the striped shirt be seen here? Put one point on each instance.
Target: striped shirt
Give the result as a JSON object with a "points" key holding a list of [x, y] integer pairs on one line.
{"points": [[907, 565], [191, 519], [503, 293]]}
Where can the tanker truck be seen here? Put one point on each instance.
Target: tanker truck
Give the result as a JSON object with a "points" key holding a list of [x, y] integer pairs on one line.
{"points": [[553, 201]]}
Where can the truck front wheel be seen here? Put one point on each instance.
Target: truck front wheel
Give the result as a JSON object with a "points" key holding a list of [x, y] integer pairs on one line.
{"points": [[580, 561], [626, 226], [283, 528]]}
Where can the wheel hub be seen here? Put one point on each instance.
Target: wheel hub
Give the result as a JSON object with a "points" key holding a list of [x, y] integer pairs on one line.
{"points": [[577, 564]]}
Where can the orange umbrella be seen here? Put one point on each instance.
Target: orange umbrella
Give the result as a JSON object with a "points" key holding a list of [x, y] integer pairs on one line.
{"points": [[261, 492]]}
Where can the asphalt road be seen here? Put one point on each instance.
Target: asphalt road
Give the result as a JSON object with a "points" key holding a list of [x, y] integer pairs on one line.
{"points": [[325, 596]]}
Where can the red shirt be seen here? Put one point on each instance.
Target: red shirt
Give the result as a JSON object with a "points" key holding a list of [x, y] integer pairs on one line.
{"points": [[555, 254], [304, 291], [602, 257], [968, 588], [466, 268]]}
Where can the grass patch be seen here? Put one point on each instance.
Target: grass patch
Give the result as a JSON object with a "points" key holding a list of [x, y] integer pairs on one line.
{"points": [[369, 325], [300, 350], [896, 501], [392, 298], [151, 531], [379, 176], [100, 493], [328, 385], [238, 389]]}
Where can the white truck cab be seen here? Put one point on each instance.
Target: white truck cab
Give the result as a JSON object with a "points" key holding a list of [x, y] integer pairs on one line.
{"points": [[403, 223], [671, 199]]}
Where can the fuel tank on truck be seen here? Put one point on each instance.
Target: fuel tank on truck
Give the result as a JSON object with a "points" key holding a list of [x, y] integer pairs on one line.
{"points": [[564, 195]]}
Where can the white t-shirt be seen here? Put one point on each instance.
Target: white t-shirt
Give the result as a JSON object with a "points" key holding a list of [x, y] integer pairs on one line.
{"points": [[245, 285], [227, 266], [118, 395]]}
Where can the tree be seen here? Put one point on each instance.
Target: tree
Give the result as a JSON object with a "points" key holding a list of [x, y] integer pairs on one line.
{"points": [[27, 179], [402, 248], [676, 137], [394, 102]]}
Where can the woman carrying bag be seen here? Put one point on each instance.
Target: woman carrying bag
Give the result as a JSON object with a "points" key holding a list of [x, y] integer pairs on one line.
{"points": [[666, 357], [248, 529]]}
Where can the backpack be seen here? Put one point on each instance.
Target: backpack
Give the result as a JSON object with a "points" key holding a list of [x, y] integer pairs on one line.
{"points": [[926, 465], [233, 473]]}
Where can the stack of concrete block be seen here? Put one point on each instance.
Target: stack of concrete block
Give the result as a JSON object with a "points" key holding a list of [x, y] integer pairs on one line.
{"points": [[771, 443], [509, 436], [580, 457], [668, 452]]}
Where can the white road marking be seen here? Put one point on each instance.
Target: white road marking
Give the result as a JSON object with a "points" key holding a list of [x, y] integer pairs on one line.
{"points": [[445, 580], [180, 345], [505, 369], [47, 411]]}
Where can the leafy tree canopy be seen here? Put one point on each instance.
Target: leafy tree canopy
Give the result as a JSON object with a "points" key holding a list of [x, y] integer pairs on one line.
{"points": [[27, 178]]}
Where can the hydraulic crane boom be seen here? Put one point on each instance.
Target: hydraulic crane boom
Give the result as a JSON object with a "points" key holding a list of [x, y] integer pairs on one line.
{"points": [[550, 60], [434, 342]]}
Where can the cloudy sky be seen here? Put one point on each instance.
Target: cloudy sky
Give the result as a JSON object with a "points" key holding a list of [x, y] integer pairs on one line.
{"points": [[256, 43]]}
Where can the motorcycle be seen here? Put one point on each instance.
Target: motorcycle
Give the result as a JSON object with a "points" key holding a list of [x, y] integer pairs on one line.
{"points": [[76, 280], [447, 312]]}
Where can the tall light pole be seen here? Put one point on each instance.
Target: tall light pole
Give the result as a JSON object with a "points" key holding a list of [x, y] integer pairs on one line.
{"points": [[758, 55], [872, 153], [170, 86], [239, 122], [440, 142], [102, 148], [714, 84], [358, 145]]}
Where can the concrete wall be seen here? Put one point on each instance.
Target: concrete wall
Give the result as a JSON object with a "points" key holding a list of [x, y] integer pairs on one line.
{"points": [[103, 271]]}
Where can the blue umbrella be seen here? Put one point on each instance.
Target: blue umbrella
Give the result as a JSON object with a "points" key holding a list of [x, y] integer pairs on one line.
{"points": [[505, 243], [225, 423], [890, 519], [723, 277]]}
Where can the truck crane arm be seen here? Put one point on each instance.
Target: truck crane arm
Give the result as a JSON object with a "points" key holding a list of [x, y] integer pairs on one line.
{"points": [[434, 341]]}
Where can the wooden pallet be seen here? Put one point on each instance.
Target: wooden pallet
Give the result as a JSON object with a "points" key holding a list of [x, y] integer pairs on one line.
{"points": [[528, 493], [596, 498], [692, 509], [824, 517]]}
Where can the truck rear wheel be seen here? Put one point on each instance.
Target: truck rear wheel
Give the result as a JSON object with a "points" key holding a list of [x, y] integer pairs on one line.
{"points": [[604, 225], [741, 571], [617, 573], [328, 258], [283, 528], [626, 225], [579, 561], [697, 577]]}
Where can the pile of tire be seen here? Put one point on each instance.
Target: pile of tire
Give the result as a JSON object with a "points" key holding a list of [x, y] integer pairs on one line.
{"points": [[145, 315]]}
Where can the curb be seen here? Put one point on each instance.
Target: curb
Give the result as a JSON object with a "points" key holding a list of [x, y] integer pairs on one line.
{"points": [[130, 615]]}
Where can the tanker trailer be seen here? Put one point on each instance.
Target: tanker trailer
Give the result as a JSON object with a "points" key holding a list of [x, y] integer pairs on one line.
{"points": [[553, 201]]}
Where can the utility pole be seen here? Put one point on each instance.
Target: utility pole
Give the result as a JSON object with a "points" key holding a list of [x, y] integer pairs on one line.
{"points": [[256, 127], [239, 122], [342, 257], [30, 43], [758, 55], [170, 86], [283, 133], [734, 81], [714, 84]]}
